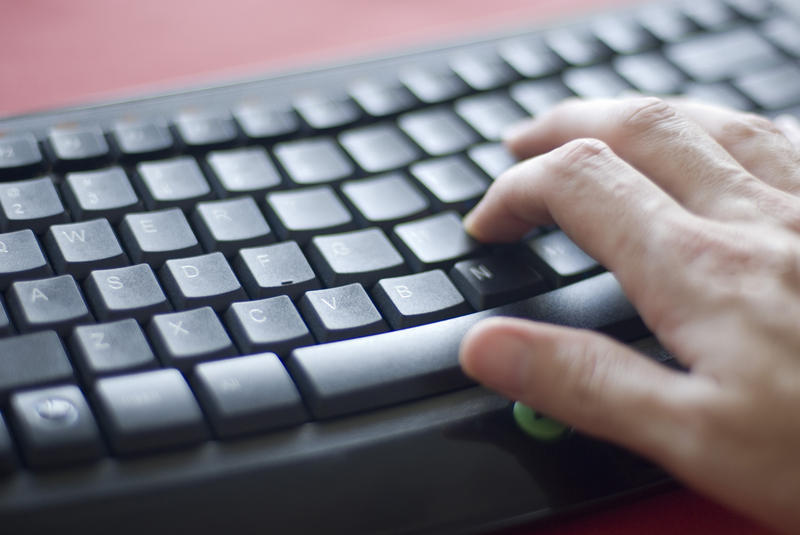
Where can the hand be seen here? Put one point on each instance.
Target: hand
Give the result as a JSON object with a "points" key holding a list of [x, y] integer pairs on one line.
{"points": [[696, 210]]}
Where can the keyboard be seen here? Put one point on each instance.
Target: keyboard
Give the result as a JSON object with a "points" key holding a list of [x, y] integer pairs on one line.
{"points": [[239, 307]]}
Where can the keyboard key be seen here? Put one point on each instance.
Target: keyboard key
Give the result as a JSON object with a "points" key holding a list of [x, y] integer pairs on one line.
{"points": [[303, 213], [420, 298], [599, 81], [378, 148], [433, 85], [103, 193], [712, 15], [136, 139], [650, 73], [452, 182], [30, 204], [491, 281], [490, 115], [77, 147], [5, 322], [8, 460], [435, 241], [783, 33], [54, 303], [264, 121], [78, 248], [380, 99], [271, 324], [772, 89], [238, 171], [127, 292], [720, 94], [438, 131], [205, 280], [229, 225], [720, 56], [205, 130], [323, 112], [340, 313], [752, 9], [577, 46], [531, 58], [536, 97], [21, 258], [248, 394], [385, 200], [359, 256], [275, 270], [30, 360], [19, 156], [154, 237], [666, 22], [623, 34], [483, 71], [176, 182], [492, 158], [361, 374], [562, 261], [313, 161], [182, 339], [110, 348], [55, 426], [149, 411]]}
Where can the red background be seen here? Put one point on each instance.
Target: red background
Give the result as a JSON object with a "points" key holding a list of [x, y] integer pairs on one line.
{"points": [[57, 53]]}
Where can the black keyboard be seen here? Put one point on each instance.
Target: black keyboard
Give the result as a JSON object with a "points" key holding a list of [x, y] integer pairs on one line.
{"points": [[239, 308]]}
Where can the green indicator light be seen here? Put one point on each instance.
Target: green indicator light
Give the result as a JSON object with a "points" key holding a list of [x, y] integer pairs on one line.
{"points": [[535, 425]]}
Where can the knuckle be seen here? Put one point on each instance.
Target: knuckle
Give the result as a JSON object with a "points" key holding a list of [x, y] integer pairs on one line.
{"points": [[647, 114], [577, 155], [748, 128]]}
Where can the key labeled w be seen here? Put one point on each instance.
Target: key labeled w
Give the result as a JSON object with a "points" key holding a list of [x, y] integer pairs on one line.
{"points": [[73, 235]]}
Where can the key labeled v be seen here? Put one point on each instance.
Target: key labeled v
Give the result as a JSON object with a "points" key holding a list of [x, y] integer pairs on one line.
{"points": [[331, 304]]}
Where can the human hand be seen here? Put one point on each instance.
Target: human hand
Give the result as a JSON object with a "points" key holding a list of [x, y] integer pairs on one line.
{"points": [[696, 210]]}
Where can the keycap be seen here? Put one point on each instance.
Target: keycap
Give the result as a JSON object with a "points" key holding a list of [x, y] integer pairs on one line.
{"points": [[577, 46], [772, 89], [21, 258], [248, 394], [419, 298], [102, 193], [110, 348], [127, 292], [560, 260], [149, 411], [340, 313], [271, 324], [650, 73], [362, 374], [538, 96], [77, 147], [153, 237], [433, 85], [385, 200], [492, 158], [783, 33], [453, 183], [622, 34], [136, 139], [236, 171], [8, 459], [205, 129], [30, 204], [666, 22], [30, 360], [382, 98], [261, 120], [322, 112], [313, 161], [175, 182], [490, 114], [530, 57], [492, 281], [300, 214], [359, 256], [55, 426], [483, 71], [378, 148], [752, 9], [231, 224], [5, 322], [718, 93], [719, 56], [711, 15], [20, 156], [437, 130], [435, 241], [274, 270], [205, 280], [597, 81], [54, 303], [182, 339], [78, 248]]}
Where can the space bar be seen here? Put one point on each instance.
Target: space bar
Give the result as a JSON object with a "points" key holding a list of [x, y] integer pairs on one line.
{"points": [[365, 373]]}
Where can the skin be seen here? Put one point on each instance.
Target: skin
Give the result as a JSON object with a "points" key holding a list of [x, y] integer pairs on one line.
{"points": [[696, 211]]}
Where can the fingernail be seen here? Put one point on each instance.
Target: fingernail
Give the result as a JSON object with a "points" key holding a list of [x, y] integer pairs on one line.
{"points": [[501, 365]]}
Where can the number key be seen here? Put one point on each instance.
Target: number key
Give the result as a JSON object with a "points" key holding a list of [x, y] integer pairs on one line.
{"points": [[104, 193], [30, 204]]}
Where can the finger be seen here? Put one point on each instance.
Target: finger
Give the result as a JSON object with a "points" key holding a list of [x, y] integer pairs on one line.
{"points": [[652, 136], [754, 141], [589, 381], [790, 127]]}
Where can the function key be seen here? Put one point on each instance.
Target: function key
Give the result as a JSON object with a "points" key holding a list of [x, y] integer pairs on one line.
{"points": [[420, 298], [313, 161], [205, 130], [385, 200], [139, 139], [340, 313], [379, 148], [108, 348], [32, 360], [380, 99], [438, 131], [577, 46], [271, 324], [182, 339], [19, 156], [175, 182], [275, 270], [434, 85], [249, 170], [103, 193], [490, 115], [21, 258], [530, 58], [623, 34], [77, 147], [434, 242], [483, 71], [30, 204], [54, 303], [323, 112], [300, 214], [263, 121]]}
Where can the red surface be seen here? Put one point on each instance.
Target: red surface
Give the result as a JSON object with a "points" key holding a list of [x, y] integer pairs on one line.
{"points": [[56, 53]]}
